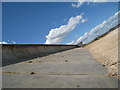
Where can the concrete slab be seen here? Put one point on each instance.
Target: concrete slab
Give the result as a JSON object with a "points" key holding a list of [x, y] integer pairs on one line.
{"points": [[58, 81], [58, 68]]}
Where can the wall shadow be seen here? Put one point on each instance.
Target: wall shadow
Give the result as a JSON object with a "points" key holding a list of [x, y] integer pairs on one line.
{"points": [[6, 62]]}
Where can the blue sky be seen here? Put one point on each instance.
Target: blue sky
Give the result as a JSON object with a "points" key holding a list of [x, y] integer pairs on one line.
{"points": [[31, 22]]}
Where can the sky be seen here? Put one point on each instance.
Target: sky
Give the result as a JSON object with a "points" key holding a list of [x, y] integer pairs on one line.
{"points": [[52, 22]]}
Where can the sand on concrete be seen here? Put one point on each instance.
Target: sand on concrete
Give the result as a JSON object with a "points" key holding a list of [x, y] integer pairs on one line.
{"points": [[105, 50]]}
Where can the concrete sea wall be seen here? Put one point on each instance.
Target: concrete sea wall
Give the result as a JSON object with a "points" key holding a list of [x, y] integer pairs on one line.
{"points": [[13, 53]]}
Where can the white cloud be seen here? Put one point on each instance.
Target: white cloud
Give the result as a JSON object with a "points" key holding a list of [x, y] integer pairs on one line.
{"points": [[3, 42], [81, 2], [57, 35], [99, 29], [77, 5], [72, 42], [84, 20], [8, 42], [13, 42]]}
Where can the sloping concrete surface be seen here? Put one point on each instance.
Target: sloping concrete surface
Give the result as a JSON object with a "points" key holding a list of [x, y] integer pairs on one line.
{"points": [[74, 68]]}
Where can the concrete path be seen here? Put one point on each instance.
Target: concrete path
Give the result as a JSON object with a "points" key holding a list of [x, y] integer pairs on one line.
{"points": [[74, 68]]}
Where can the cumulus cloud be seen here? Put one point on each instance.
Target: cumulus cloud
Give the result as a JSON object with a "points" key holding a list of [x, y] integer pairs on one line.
{"points": [[81, 2], [57, 35], [100, 29]]}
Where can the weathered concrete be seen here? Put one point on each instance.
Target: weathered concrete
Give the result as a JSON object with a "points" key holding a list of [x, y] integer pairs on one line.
{"points": [[73, 68], [13, 53]]}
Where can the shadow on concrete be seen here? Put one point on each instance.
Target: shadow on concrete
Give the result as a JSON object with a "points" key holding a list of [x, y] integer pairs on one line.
{"points": [[15, 53]]}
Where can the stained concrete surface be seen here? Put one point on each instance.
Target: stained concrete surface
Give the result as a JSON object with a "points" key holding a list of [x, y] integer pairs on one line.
{"points": [[74, 68]]}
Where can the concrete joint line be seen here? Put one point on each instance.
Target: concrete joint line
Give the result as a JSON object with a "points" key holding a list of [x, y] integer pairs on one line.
{"points": [[16, 73]]}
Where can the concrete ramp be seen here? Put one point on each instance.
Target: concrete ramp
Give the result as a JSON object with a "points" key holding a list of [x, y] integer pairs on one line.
{"points": [[14, 53], [74, 68]]}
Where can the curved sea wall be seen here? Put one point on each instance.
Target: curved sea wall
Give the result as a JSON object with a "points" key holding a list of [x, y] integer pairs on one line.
{"points": [[13, 53]]}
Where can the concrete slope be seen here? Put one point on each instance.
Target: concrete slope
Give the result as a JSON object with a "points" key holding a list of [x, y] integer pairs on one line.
{"points": [[74, 68], [14, 53]]}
